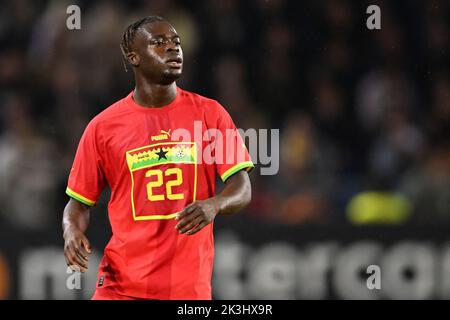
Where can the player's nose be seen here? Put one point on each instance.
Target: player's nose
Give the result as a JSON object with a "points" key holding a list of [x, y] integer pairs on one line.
{"points": [[173, 47]]}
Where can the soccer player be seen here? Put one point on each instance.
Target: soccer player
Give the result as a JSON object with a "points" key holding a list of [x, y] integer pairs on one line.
{"points": [[163, 202]]}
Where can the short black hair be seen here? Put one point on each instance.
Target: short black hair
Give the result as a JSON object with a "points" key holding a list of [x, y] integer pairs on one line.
{"points": [[130, 33]]}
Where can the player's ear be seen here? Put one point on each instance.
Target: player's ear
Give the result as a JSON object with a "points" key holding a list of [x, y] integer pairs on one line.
{"points": [[133, 58]]}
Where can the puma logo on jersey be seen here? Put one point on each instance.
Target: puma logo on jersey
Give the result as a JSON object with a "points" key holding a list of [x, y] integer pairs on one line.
{"points": [[164, 135]]}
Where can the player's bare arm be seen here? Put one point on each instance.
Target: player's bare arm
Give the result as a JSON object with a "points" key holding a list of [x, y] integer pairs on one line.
{"points": [[76, 246], [235, 196]]}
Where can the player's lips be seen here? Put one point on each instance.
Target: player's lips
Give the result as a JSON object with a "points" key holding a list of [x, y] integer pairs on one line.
{"points": [[175, 62]]}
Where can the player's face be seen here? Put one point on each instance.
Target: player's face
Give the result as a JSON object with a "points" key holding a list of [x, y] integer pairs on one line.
{"points": [[159, 51]]}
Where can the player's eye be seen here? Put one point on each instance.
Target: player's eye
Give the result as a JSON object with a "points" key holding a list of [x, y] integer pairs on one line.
{"points": [[158, 42]]}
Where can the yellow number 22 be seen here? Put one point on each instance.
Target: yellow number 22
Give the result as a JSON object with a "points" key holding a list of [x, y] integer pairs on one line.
{"points": [[159, 182]]}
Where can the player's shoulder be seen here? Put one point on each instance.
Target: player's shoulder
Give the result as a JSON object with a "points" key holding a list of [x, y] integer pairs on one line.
{"points": [[114, 111], [203, 102]]}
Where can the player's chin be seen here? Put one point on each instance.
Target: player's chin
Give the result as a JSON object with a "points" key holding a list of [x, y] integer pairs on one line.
{"points": [[175, 71], [172, 74]]}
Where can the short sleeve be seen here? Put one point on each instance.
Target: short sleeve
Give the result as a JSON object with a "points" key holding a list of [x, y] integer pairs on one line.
{"points": [[86, 178], [235, 156]]}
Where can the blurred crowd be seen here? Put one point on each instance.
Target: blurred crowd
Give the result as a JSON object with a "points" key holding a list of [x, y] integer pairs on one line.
{"points": [[363, 114]]}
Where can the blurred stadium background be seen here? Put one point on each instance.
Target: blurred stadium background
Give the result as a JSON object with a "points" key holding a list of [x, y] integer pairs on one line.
{"points": [[364, 132]]}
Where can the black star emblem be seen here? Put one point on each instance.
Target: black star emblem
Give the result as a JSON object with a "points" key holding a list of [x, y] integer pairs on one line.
{"points": [[161, 154]]}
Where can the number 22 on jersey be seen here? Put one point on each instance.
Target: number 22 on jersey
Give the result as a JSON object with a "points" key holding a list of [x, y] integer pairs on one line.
{"points": [[163, 179]]}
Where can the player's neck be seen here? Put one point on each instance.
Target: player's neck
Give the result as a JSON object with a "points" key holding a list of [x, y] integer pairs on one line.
{"points": [[154, 95]]}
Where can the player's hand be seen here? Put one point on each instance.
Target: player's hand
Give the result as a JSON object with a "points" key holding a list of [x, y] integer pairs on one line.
{"points": [[76, 249], [196, 216]]}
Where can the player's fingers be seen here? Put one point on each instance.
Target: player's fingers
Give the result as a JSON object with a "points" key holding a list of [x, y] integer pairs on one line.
{"points": [[78, 260], [69, 253], [80, 251], [86, 245], [76, 267], [75, 262], [189, 209], [77, 256], [82, 257], [67, 259], [191, 224], [197, 228], [187, 219]]}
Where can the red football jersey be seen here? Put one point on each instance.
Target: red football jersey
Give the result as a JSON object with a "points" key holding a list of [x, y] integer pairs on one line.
{"points": [[153, 175]]}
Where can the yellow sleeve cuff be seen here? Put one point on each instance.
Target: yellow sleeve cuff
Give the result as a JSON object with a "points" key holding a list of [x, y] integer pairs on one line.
{"points": [[247, 165], [79, 197]]}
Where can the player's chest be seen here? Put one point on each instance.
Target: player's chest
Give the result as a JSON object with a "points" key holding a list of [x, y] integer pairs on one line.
{"points": [[152, 140]]}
